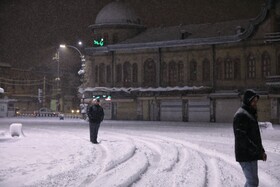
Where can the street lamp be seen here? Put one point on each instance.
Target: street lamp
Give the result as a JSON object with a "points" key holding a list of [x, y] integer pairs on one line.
{"points": [[57, 80], [83, 60], [81, 72]]}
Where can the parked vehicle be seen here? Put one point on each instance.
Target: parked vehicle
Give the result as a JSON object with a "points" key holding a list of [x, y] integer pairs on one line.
{"points": [[45, 112]]}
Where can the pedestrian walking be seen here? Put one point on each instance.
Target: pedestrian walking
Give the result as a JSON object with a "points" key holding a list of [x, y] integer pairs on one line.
{"points": [[96, 116], [248, 142]]}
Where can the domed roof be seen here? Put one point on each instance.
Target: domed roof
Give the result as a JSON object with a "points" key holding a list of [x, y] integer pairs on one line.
{"points": [[117, 13]]}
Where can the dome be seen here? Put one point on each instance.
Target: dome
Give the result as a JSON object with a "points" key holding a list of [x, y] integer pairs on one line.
{"points": [[117, 13]]}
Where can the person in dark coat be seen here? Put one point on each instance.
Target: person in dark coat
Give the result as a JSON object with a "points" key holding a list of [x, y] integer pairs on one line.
{"points": [[96, 116], [248, 142]]}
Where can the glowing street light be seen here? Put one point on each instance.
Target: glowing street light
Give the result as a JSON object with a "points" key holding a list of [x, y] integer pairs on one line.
{"points": [[81, 72]]}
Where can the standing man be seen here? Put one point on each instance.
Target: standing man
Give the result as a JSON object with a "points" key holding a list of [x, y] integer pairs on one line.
{"points": [[95, 115], [248, 142]]}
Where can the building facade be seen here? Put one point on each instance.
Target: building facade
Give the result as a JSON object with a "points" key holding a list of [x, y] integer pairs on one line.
{"points": [[194, 72]]}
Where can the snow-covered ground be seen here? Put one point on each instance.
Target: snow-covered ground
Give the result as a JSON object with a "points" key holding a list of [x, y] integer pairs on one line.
{"points": [[130, 153]]}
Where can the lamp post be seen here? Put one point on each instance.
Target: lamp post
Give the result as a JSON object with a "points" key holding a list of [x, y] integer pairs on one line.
{"points": [[57, 80], [83, 61], [81, 72]]}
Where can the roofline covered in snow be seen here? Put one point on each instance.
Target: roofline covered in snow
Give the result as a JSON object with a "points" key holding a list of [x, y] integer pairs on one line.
{"points": [[249, 31], [143, 89]]}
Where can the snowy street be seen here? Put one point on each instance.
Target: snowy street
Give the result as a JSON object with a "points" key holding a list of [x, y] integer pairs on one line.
{"points": [[57, 152]]}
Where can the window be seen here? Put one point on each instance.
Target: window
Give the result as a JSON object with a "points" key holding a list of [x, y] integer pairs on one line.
{"points": [[106, 38], [127, 73], [219, 69], [228, 69], [206, 70], [180, 72], [102, 73], [266, 65], [278, 65], [172, 73], [119, 73], [251, 67], [237, 69], [134, 73], [96, 74], [115, 38], [149, 73], [193, 70], [108, 74], [164, 74]]}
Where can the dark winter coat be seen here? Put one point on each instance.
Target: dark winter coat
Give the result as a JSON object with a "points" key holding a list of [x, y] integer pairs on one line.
{"points": [[248, 143], [95, 114]]}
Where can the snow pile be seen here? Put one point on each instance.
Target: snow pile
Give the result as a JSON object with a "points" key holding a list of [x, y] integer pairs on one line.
{"points": [[16, 130], [267, 125]]}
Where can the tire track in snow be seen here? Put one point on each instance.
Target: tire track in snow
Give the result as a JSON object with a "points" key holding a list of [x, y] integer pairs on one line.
{"points": [[81, 174], [114, 155], [162, 157], [124, 174], [265, 178]]}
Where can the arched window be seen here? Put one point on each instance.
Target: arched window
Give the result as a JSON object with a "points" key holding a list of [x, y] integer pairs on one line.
{"points": [[127, 74], [102, 73], [108, 74], [219, 69], [149, 73], [206, 70], [193, 70], [119, 73], [278, 65], [134, 73], [105, 38], [237, 69], [96, 74], [164, 74], [228, 69], [115, 38], [251, 67], [266, 65], [180, 72], [172, 73]]}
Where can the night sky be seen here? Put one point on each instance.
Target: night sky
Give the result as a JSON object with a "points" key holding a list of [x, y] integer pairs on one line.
{"points": [[31, 30]]}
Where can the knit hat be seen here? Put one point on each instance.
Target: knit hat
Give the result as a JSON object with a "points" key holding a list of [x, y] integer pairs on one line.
{"points": [[249, 95]]}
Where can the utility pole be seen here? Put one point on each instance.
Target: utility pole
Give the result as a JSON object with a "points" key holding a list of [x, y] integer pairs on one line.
{"points": [[44, 92], [57, 79]]}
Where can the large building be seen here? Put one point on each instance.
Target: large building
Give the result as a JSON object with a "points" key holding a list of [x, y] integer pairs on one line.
{"points": [[194, 72]]}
